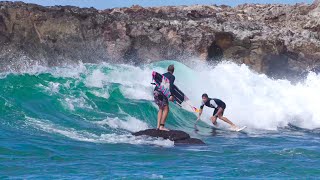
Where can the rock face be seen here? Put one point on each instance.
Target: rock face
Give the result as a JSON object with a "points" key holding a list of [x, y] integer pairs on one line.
{"points": [[179, 137], [278, 40]]}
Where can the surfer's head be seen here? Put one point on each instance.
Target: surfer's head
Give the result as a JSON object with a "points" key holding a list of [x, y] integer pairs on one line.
{"points": [[171, 68], [205, 97]]}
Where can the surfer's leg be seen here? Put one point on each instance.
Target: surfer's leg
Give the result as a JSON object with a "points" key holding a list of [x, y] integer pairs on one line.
{"points": [[160, 112], [227, 121], [159, 100], [214, 117], [213, 120], [164, 118], [220, 115]]}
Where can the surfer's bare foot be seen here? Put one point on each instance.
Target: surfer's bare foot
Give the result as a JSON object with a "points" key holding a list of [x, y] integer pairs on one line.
{"points": [[215, 123], [234, 127], [162, 128]]}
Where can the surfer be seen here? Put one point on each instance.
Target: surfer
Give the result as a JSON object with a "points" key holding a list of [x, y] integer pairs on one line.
{"points": [[219, 107], [162, 101]]}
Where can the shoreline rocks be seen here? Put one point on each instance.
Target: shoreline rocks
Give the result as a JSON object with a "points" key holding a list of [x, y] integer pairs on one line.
{"points": [[282, 41], [179, 137]]}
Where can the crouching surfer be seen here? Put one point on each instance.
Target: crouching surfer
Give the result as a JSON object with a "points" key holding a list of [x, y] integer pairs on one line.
{"points": [[162, 101], [219, 107]]}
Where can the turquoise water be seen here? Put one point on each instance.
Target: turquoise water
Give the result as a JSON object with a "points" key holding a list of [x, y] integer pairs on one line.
{"points": [[75, 122]]}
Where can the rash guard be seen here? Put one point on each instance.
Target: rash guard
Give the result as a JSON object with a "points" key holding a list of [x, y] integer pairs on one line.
{"points": [[171, 79], [213, 103]]}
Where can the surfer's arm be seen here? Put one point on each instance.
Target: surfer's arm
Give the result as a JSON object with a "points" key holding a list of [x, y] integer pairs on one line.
{"points": [[200, 112], [171, 84], [171, 88]]}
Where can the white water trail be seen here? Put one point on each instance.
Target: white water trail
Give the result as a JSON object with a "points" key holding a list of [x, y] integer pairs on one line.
{"points": [[131, 124], [111, 138]]}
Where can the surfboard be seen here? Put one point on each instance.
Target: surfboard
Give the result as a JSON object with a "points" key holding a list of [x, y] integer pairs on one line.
{"points": [[240, 129], [163, 85], [228, 129]]}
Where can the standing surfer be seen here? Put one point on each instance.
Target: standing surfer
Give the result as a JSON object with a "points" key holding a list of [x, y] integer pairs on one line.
{"points": [[162, 101], [219, 107]]}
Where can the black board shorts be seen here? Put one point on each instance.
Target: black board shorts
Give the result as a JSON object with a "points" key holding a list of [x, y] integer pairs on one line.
{"points": [[160, 99], [220, 104]]}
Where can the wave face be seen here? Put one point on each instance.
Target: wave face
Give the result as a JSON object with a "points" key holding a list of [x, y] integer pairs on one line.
{"points": [[104, 103], [74, 101]]}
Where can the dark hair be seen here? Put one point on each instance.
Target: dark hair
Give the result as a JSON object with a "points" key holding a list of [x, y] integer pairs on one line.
{"points": [[205, 95], [171, 68]]}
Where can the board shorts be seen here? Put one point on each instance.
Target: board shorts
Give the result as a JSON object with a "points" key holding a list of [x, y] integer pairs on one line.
{"points": [[160, 99], [220, 104]]}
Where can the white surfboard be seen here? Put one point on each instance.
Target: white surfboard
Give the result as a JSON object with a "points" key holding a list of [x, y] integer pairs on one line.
{"points": [[224, 129], [239, 129], [229, 129]]}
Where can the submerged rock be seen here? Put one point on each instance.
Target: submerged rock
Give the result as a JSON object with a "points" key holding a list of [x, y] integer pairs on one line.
{"points": [[179, 137]]}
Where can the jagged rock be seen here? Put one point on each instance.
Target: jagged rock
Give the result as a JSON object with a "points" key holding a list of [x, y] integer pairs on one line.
{"points": [[179, 137], [271, 38]]}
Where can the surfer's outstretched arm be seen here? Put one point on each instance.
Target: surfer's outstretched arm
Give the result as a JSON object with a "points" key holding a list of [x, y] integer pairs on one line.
{"points": [[200, 112]]}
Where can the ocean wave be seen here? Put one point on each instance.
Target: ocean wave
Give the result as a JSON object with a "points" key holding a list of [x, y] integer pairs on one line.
{"points": [[120, 97]]}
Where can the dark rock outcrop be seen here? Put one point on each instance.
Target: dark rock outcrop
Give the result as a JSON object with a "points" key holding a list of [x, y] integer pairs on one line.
{"points": [[278, 40], [179, 137]]}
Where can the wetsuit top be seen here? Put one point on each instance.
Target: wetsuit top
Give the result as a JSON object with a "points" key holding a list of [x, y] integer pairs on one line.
{"points": [[213, 103], [171, 79]]}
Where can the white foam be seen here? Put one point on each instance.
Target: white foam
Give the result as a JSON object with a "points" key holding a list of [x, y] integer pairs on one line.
{"points": [[137, 92], [130, 139], [112, 138], [70, 102], [135, 81], [255, 100], [54, 87], [156, 176], [131, 124], [51, 88], [102, 93], [47, 126], [69, 71], [96, 79]]}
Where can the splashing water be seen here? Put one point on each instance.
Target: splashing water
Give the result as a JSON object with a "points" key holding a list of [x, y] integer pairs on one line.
{"points": [[89, 111]]}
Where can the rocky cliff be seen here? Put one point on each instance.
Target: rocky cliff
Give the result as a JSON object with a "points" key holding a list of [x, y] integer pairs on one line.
{"points": [[279, 40]]}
